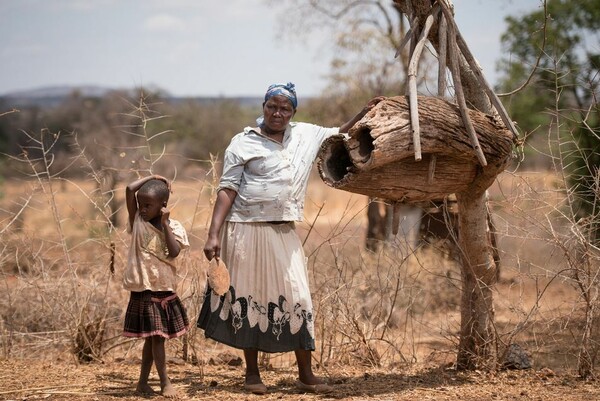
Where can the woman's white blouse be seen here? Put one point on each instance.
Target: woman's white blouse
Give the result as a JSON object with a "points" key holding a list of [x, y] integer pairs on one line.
{"points": [[270, 178]]}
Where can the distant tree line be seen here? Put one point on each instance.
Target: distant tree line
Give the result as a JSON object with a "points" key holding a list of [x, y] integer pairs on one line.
{"points": [[112, 124]]}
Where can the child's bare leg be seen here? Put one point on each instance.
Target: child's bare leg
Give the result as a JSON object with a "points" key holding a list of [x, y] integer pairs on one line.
{"points": [[160, 361], [147, 359]]}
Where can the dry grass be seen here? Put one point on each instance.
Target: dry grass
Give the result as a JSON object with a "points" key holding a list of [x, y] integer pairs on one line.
{"points": [[396, 310]]}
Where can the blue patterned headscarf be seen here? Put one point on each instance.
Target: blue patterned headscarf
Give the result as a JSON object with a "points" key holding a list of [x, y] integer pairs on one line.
{"points": [[288, 90]]}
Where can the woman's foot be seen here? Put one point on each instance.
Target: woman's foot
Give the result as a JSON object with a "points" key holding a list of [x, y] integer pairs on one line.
{"points": [[318, 388], [309, 378], [310, 383], [254, 384]]}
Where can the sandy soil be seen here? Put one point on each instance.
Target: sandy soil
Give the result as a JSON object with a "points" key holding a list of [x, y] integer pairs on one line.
{"points": [[30, 380]]}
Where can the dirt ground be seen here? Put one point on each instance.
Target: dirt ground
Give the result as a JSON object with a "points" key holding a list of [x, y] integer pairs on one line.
{"points": [[31, 380]]}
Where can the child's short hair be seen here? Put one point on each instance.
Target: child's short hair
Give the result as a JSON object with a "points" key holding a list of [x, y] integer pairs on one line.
{"points": [[156, 188]]}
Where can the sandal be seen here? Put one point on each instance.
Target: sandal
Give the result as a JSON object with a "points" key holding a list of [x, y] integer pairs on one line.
{"points": [[322, 388], [256, 388]]}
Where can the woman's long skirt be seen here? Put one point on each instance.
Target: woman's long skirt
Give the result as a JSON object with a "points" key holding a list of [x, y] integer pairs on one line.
{"points": [[268, 306]]}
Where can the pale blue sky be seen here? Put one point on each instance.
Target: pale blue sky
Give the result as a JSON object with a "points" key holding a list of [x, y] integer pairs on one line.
{"points": [[188, 47]]}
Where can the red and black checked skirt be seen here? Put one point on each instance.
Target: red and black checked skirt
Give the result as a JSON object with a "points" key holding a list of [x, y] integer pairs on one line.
{"points": [[155, 314]]}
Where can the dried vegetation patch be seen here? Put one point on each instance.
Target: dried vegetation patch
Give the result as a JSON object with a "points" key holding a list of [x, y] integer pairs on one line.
{"points": [[386, 324]]}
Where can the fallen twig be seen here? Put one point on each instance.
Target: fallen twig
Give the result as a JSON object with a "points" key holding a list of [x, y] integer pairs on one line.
{"points": [[33, 389]]}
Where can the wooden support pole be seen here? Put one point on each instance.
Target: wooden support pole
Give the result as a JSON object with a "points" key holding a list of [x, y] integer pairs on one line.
{"points": [[460, 96], [442, 53], [396, 217], [406, 37], [470, 59], [412, 85]]}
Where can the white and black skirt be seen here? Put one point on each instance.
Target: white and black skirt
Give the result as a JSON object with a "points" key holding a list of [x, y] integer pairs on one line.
{"points": [[268, 306]]}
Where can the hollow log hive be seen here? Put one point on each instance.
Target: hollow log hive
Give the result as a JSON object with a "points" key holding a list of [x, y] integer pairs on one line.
{"points": [[377, 156]]}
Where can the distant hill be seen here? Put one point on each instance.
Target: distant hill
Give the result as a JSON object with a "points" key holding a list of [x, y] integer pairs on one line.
{"points": [[49, 96], [59, 91], [53, 96]]}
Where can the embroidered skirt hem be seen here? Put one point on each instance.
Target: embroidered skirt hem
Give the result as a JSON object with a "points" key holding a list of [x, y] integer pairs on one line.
{"points": [[272, 340]]}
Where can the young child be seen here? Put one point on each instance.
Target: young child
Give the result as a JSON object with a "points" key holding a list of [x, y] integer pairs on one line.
{"points": [[155, 312]]}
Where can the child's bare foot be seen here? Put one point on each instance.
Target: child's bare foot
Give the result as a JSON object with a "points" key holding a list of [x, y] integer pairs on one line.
{"points": [[168, 390], [144, 389]]}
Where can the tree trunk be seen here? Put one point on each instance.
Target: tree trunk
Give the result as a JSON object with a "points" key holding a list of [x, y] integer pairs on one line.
{"points": [[477, 347], [375, 226]]}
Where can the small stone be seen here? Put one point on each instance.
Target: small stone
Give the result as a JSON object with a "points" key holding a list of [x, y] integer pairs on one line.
{"points": [[516, 358]]}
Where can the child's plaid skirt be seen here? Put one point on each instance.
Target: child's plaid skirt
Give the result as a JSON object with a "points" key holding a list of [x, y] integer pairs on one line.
{"points": [[155, 314]]}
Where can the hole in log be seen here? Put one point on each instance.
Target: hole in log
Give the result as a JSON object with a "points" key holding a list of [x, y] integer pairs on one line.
{"points": [[338, 161], [365, 143]]}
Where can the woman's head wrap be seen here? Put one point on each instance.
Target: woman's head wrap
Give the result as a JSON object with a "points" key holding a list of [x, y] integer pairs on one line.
{"points": [[288, 90]]}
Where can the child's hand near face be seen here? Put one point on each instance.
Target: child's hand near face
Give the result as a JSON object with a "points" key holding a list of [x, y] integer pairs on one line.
{"points": [[164, 216]]}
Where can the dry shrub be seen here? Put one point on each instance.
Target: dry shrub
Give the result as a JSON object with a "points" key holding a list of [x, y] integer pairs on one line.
{"points": [[370, 305], [89, 340]]}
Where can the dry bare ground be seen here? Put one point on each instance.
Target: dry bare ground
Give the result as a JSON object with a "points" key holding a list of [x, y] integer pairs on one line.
{"points": [[386, 323], [64, 380]]}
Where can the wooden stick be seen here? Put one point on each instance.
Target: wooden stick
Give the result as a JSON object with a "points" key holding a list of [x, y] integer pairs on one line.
{"points": [[489, 91], [443, 46], [403, 43], [460, 96], [406, 37], [462, 45], [412, 86], [21, 390], [75, 393], [442, 56]]}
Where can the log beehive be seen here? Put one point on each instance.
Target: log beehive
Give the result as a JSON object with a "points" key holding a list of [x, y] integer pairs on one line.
{"points": [[377, 156]]}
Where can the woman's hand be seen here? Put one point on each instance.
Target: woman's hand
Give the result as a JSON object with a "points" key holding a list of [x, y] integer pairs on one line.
{"points": [[212, 247], [372, 103]]}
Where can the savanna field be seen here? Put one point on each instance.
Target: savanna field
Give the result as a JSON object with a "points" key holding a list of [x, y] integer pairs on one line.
{"points": [[386, 322]]}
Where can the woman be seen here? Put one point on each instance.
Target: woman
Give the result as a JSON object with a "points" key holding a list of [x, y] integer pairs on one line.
{"points": [[260, 195]]}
